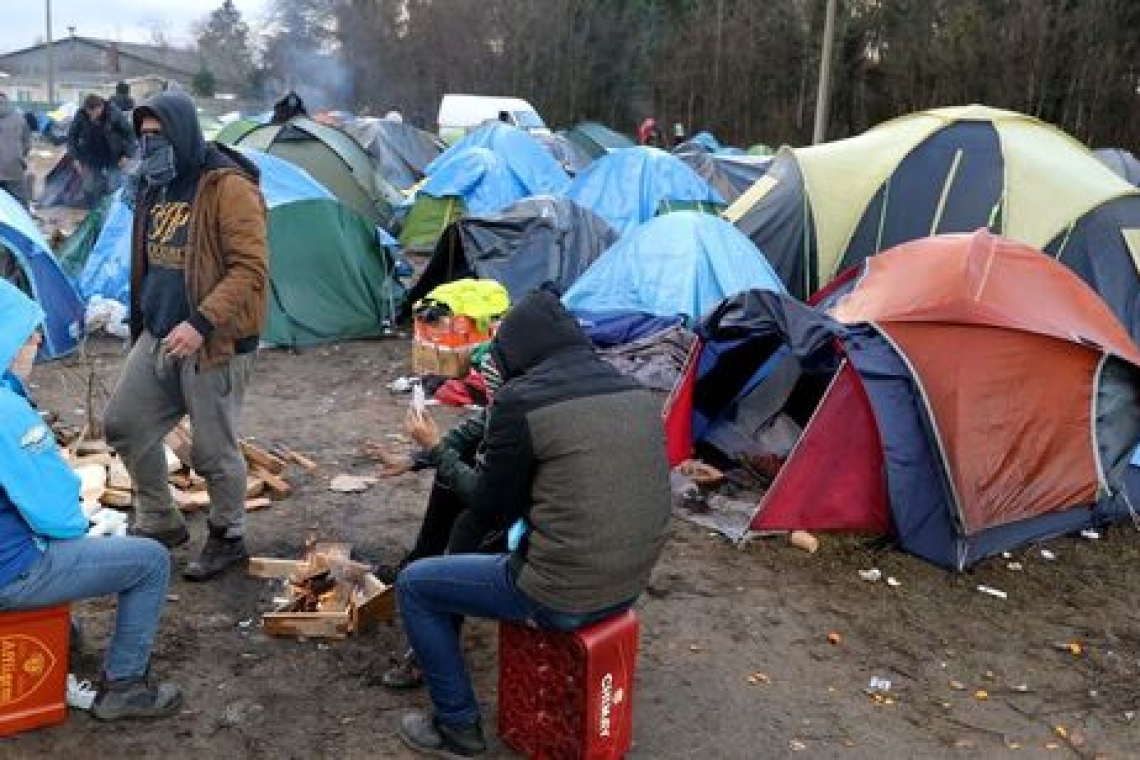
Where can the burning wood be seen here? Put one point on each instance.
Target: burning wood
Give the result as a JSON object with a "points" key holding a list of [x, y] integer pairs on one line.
{"points": [[325, 594]]}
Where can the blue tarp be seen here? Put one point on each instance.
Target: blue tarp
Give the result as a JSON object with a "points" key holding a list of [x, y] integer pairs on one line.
{"points": [[108, 268], [49, 286], [478, 176], [628, 186], [679, 264], [283, 182], [522, 156]]}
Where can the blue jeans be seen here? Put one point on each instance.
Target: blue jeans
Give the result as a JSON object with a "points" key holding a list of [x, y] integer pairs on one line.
{"points": [[436, 593], [137, 569]]}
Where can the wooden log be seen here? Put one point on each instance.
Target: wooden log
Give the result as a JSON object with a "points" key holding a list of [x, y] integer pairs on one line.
{"points": [[302, 460], [190, 501], [277, 487], [271, 567], [181, 441], [261, 502], [103, 459], [174, 463], [180, 480], [259, 458], [254, 487], [117, 498], [118, 477], [92, 448]]}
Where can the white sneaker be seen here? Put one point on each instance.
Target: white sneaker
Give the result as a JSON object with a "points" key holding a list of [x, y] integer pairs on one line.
{"points": [[80, 694]]}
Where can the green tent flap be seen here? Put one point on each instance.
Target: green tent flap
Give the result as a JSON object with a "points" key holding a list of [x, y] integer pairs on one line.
{"points": [[73, 252], [427, 220]]}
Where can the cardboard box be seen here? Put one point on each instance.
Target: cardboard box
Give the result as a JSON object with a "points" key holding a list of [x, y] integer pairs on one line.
{"points": [[435, 359]]}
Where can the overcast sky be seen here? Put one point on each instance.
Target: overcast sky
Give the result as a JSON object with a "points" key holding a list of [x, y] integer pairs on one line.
{"points": [[23, 21]]}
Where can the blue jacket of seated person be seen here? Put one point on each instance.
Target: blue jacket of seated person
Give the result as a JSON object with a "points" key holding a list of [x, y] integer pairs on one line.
{"points": [[39, 494]]}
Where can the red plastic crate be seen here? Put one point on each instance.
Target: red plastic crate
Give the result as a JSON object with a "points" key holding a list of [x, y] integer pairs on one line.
{"points": [[568, 695], [33, 668]]}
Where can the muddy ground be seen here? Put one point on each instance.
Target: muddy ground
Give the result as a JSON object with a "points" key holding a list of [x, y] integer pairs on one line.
{"points": [[736, 660]]}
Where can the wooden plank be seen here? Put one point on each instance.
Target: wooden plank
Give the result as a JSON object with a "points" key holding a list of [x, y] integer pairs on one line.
{"points": [[333, 625], [302, 460], [373, 603], [261, 502], [271, 567], [260, 458], [277, 486]]}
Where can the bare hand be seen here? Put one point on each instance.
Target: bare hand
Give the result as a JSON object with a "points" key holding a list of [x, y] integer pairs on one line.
{"points": [[422, 429], [392, 464], [182, 341]]}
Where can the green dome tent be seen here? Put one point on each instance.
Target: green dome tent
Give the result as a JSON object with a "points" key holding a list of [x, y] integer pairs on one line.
{"points": [[332, 158], [235, 130]]}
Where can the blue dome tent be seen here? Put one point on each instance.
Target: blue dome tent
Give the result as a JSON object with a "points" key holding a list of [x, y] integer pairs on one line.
{"points": [[34, 268]]}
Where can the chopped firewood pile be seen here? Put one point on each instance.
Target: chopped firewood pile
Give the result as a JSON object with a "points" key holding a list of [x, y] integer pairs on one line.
{"points": [[106, 482], [324, 594]]}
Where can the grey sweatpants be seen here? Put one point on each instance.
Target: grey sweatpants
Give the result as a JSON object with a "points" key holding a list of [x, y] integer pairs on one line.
{"points": [[154, 392]]}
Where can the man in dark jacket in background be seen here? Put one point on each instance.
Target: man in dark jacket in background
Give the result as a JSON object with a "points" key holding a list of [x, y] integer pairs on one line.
{"points": [[101, 143], [577, 451], [198, 282], [122, 98]]}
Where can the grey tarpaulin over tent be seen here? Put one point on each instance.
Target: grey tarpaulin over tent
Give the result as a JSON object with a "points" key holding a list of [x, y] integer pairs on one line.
{"points": [[596, 140], [533, 241], [401, 151], [729, 175]]}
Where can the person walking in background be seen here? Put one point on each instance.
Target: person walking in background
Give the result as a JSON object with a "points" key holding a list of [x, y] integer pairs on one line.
{"points": [[46, 558], [199, 268], [122, 98], [101, 143], [649, 133], [15, 142], [289, 107]]}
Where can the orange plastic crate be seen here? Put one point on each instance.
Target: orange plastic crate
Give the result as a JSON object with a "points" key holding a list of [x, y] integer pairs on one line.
{"points": [[33, 668]]}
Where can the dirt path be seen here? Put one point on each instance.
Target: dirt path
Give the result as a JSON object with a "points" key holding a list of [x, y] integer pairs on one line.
{"points": [[714, 616]]}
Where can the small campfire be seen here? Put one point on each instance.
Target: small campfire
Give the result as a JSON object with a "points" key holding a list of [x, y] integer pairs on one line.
{"points": [[324, 594]]}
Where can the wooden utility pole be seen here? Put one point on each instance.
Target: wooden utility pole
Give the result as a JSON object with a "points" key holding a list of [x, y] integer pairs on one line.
{"points": [[822, 99]]}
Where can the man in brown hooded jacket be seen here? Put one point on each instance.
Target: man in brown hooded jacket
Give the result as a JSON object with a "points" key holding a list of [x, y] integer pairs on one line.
{"points": [[198, 283]]}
